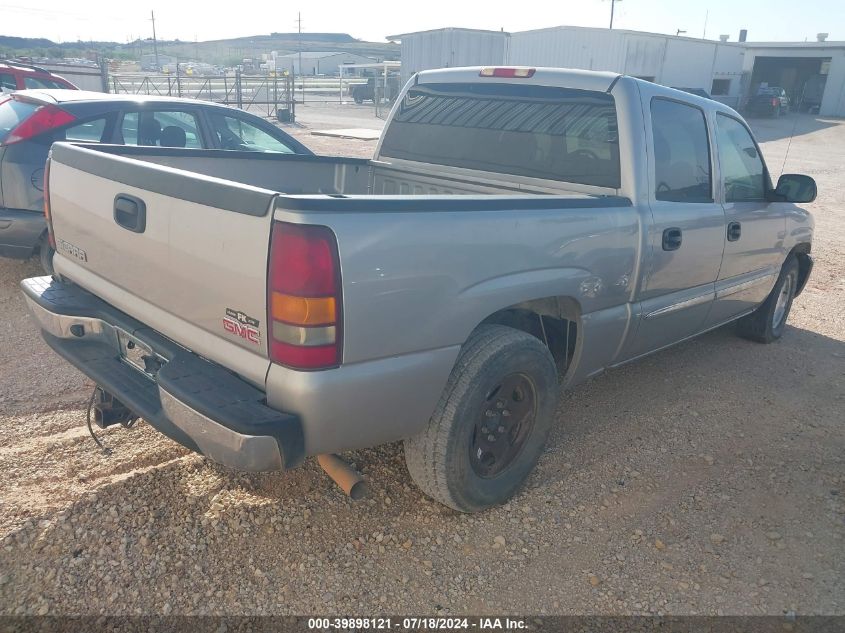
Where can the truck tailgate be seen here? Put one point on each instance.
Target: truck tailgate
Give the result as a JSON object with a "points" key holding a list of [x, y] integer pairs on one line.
{"points": [[182, 252]]}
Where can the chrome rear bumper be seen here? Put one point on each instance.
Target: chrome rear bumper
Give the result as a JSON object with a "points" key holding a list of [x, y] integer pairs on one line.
{"points": [[193, 401]]}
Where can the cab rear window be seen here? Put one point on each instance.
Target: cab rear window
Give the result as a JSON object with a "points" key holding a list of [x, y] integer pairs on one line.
{"points": [[536, 131], [12, 112]]}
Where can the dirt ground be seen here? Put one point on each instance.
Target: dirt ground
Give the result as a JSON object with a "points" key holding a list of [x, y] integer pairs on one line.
{"points": [[706, 479]]}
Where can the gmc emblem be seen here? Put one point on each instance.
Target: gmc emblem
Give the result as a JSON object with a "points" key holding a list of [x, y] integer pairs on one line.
{"points": [[243, 330]]}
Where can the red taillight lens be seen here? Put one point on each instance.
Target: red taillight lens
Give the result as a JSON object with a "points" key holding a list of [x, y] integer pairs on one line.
{"points": [[303, 297], [47, 217], [508, 73], [44, 119], [775, 103]]}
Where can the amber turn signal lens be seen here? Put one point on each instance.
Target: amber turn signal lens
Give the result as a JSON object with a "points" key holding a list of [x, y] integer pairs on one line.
{"points": [[303, 310]]}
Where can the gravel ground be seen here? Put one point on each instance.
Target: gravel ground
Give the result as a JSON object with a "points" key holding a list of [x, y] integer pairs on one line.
{"points": [[706, 479]]}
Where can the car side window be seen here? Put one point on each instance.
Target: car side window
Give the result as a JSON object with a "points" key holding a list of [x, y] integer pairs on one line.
{"points": [[236, 134], [7, 82], [681, 152], [87, 131], [161, 128], [743, 173], [38, 82]]}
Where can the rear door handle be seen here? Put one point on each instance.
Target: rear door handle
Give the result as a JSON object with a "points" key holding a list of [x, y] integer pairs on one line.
{"points": [[734, 231], [130, 212], [672, 238]]}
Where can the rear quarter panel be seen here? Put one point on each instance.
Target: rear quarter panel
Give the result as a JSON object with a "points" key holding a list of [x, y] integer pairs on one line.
{"points": [[418, 280]]}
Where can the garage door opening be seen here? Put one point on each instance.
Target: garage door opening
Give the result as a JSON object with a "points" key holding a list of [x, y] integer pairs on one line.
{"points": [[803, 78]]}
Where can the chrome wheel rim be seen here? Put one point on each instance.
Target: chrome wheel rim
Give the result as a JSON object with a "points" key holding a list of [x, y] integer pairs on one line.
{"points": [[782, 302]]}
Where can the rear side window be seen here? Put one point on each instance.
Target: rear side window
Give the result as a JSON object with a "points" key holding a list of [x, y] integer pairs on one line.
{"points": [[12, 112], [536, 131], [681, 153], [161, 129], [43, 83], [7, 82], [88, 131]]}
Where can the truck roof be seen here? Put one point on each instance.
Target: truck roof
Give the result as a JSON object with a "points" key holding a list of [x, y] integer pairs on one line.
{"points": [[600, 81]]}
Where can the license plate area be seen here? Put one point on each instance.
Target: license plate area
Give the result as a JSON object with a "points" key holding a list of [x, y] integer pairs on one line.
{"points": [[135, 353]]}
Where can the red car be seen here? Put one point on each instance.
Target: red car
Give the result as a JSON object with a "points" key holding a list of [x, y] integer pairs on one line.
{"points": [[20, 76]]}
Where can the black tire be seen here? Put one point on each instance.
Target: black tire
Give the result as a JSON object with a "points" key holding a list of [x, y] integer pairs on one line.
{"points": [[767, 322], [45, 254], [358, 99], [446, 460]]}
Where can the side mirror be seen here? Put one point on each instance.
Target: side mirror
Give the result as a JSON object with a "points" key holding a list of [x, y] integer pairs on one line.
{"points": [[795, 188]]}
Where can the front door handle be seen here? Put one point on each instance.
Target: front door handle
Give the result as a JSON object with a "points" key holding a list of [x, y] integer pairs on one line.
{"points": [[734, 231], [130, 212], [672, 238]]}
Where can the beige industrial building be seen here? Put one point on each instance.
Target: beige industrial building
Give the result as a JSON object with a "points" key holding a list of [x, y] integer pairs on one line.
{"points": [[813, 73]]}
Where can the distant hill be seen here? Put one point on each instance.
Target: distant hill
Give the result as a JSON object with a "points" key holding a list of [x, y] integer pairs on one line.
{"points": [[225, 52]]}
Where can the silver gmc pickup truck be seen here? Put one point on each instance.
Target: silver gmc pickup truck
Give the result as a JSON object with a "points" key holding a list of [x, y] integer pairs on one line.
{"points": [[518, 231]]}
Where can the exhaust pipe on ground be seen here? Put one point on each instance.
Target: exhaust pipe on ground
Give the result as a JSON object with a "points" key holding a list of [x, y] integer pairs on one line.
{"points": [[350, 481]]}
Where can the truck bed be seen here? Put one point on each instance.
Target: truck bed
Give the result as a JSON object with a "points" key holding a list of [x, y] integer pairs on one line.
{"points": [[296, 174]]}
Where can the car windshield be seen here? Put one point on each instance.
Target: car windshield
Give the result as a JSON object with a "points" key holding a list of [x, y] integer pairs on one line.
{"points": [[12, 112]]}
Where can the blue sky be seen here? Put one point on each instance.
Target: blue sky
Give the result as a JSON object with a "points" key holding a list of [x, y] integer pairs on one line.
{"points": [[374, 19]]}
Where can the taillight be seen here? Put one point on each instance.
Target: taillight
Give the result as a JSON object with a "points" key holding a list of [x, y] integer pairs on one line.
{"points": [[304, 297], [45, 118], [509, 73], [775, 103]]}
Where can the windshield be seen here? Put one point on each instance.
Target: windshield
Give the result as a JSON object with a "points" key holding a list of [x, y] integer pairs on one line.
{"points": [[537, 131]]}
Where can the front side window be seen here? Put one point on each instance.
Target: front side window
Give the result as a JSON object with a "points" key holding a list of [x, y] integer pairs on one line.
{"points": [[525, 130], [681, 152], [161, 129], [740, 162], [236, 134]]}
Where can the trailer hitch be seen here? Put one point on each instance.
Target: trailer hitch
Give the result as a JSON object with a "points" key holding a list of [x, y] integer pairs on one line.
{"points": [[106, 410]]}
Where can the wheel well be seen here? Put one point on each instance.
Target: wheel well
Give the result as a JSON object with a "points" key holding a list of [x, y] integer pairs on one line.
{"points": [[552, 320], [805, 264]]}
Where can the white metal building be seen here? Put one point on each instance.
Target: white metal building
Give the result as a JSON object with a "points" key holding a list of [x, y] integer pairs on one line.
{"points": [[318, 62], [729, 71], [812, 73]]}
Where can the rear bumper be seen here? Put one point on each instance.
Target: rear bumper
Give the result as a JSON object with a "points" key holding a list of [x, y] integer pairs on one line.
{"points": [[20, 231], [193, 401]]}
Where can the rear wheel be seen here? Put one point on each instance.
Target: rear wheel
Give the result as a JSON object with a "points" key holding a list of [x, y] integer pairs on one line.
{"points": [[766, 323], [491, 424], [45, 254]]}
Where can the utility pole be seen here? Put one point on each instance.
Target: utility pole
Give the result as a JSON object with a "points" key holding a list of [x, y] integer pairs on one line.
{"points": [[299, 41], [612, 6], [706, 15], [155, 42]]}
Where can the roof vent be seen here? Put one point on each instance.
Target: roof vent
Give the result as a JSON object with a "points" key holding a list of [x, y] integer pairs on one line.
{"points": [[821, 37], [743, 35], [724, 38]]}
